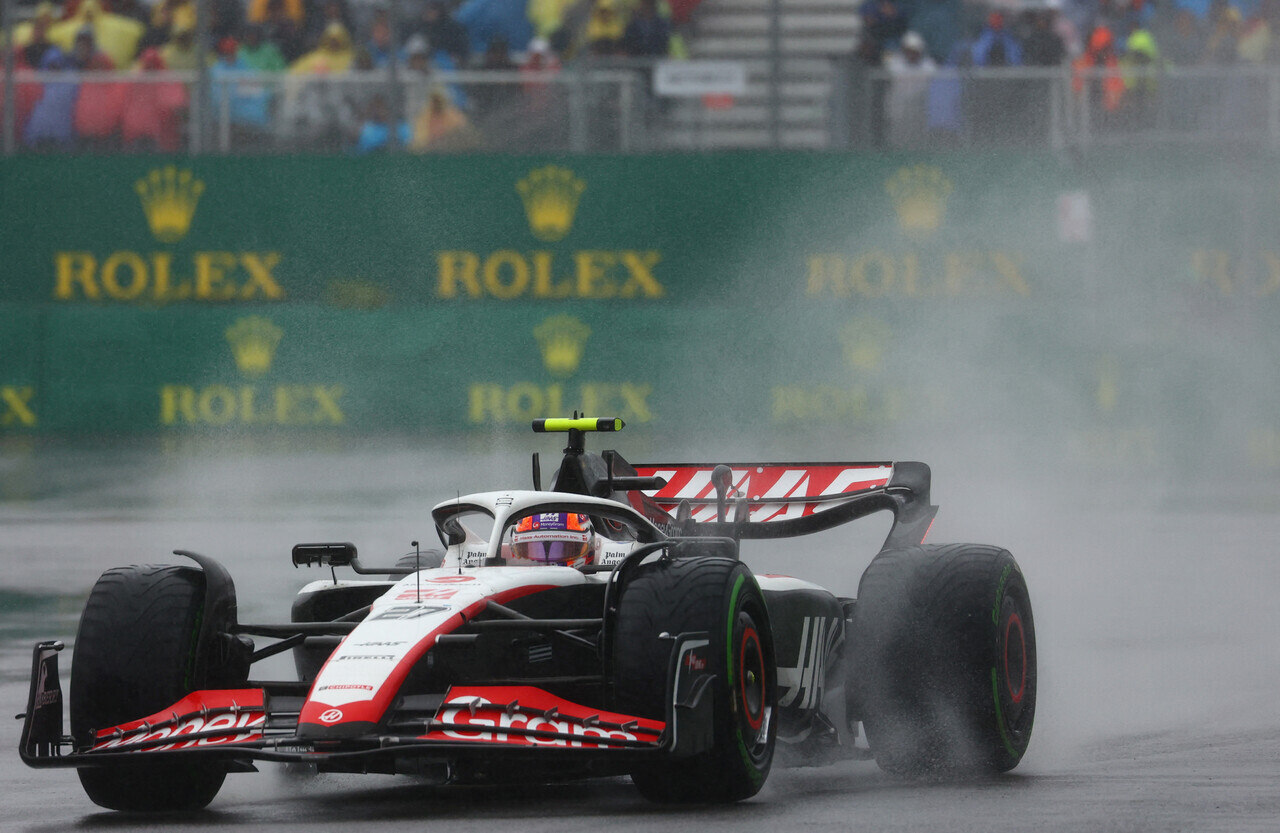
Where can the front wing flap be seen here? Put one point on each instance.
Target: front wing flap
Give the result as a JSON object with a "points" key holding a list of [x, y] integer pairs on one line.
{"points": [[468, 721]]}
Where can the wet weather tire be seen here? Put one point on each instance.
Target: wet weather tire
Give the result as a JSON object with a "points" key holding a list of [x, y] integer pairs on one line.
{"points": [[720, 597], [945, 660], [135, 654]]}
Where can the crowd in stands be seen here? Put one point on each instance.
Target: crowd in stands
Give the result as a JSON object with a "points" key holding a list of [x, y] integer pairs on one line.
{"points": [[1112, 47], [304, 43], [1118, 53]]}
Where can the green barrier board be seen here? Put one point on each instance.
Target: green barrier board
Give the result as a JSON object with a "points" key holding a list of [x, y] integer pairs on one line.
{"points": [[1116, 304]]}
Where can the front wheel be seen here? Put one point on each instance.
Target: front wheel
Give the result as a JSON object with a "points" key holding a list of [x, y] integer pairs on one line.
{"points": [[945, 660], [135, 654], [720, 597]]}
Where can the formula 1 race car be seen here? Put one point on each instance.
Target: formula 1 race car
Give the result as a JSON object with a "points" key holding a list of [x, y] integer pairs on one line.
{"points": [[605, 626]]}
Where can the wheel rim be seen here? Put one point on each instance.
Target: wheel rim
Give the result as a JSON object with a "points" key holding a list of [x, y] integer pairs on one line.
{"points": [[752, 683], [1014, 675], [1015, 658]]}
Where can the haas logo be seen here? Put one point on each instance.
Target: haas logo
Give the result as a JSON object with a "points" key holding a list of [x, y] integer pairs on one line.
{"points": [[331, 715], [802, 684]]}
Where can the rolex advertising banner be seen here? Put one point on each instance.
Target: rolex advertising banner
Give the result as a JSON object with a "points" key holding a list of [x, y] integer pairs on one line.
{"points": [[891, 298]]}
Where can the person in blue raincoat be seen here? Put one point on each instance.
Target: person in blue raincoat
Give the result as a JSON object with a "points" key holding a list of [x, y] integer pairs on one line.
{"points": [[52, 122]]}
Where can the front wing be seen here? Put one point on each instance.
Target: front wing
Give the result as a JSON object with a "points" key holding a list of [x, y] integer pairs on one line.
{"points": [[467, 722]]}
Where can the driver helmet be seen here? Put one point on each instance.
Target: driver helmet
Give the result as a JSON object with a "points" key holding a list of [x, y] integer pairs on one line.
{"points": [[563, 538]]}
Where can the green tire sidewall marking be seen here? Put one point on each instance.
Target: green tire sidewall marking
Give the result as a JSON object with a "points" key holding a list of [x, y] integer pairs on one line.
{"points": [[728, 638], [753, 772], [995, 610], [1004, 735]]}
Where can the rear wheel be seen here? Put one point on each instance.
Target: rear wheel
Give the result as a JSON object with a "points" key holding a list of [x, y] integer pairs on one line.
{"points": [[945, 660], [718, 596], [136, 652]]}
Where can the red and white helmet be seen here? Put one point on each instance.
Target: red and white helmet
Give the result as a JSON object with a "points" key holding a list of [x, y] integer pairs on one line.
{"points": [[564, 538]]}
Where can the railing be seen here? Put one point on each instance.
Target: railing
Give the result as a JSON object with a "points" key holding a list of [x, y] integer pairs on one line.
{"points": [[239, 112], [612, 108], [1059, 107]]}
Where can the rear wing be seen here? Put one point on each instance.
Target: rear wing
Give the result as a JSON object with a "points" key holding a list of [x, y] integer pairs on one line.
{"points": [[781, 500], [742, 500]]}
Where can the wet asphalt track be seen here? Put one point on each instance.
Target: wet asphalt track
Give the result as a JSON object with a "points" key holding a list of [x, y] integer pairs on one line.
{"points": [[1158, 622]]}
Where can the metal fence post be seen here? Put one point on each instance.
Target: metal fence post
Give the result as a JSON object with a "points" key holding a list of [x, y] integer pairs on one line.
{"points": [[10, 102], [627, 99], [577, 112]]}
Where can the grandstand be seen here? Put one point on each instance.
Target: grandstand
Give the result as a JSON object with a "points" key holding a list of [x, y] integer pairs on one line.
{"points": [[817, 74]]}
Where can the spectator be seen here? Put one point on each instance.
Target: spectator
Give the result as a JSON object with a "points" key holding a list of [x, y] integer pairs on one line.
{"points": [[994, 46], [246, 103], [481, 20], [282, 24], [375, 129], [910, 69], [152, 117], [883, 23], [333, 53], [441, 125], [547, 16], [1097, 73], [605, 28], [180, 52], [113, 34], [539, 60], [52, 122], [1221, 48], [99, 104], [167, 16], [313, 107], [260, 54], [330, 12], [647, 35], [32, 38], [379, 44], [1258, 37], [1044, 47], [417, 56], [1141, 64], [444, 34], [26, 94]]}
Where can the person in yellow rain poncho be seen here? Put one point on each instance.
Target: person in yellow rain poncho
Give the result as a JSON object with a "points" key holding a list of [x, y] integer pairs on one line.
{"points": [[35, 30], [547, 16], [441, 126], [332, 54], [605, 27], [114, 34], [180, 51]]}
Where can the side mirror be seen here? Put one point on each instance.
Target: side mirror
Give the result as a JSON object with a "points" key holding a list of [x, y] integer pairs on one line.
{"points": [[453, 532], [334, 555]]}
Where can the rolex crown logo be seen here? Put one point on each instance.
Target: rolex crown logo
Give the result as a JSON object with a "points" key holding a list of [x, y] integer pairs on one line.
{"points": [[550, 198], [919, 194], [253, 344], [863, 341], [169, 198], [562, 339]]}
